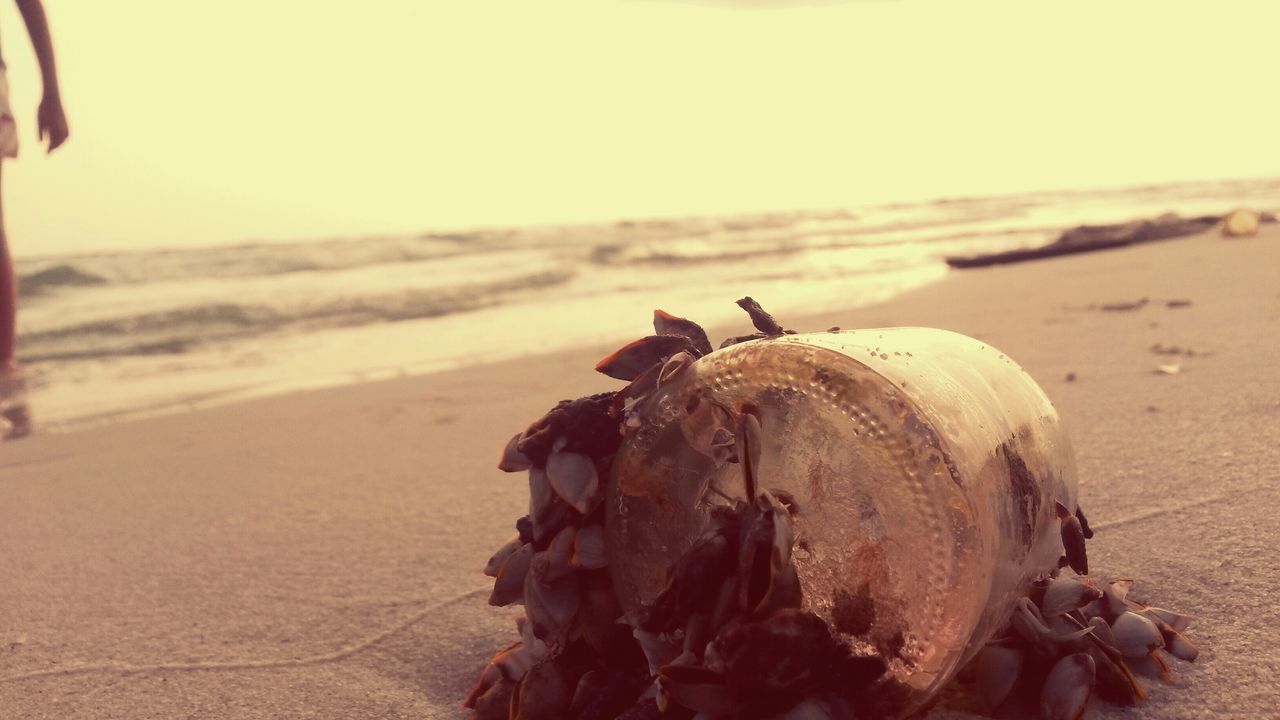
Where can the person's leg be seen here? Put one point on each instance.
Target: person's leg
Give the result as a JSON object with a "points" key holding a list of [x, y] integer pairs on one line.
{"points": [[8, 301], [15, 420]]}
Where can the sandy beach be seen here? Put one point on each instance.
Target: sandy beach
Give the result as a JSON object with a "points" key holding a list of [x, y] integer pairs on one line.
{"points": [[318, 554]]}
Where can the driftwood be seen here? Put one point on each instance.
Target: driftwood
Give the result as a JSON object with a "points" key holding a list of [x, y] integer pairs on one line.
{"points": [[1088, 238]]}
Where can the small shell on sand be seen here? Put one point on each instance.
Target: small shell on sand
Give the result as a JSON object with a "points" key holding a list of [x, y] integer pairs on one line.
{"points": [[1240, 223]]}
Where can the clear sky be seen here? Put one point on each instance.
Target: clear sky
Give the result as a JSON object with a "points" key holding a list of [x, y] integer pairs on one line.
{"points": [[199, 123]]}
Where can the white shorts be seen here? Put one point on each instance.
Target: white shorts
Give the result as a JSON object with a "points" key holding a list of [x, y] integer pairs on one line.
{"points": [[8, 127]]}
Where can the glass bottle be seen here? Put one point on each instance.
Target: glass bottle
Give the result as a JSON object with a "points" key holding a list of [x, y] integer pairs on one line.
{"points": [[924, 467]]}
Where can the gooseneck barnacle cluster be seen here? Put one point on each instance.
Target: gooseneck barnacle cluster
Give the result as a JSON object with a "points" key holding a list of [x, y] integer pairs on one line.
{"points": [[738, 617]]}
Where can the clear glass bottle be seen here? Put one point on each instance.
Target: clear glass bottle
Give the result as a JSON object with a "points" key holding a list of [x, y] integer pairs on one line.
{"points": [[925, 467]]}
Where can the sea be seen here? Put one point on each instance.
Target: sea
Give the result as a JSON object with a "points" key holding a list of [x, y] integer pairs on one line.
{"points": [[111, 335]]}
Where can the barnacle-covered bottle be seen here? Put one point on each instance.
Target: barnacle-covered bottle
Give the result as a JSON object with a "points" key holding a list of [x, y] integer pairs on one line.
{"points": [[923, 467]]}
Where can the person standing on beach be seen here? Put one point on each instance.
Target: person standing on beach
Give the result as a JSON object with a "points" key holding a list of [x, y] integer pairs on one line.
{"points": [[52, 124]]}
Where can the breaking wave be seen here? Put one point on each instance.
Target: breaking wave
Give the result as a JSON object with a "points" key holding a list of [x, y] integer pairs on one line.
{"points": [[179, 329], [61, 275]]}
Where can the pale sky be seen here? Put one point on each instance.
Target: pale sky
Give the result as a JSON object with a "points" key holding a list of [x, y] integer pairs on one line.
{"points": [[197, 123]]}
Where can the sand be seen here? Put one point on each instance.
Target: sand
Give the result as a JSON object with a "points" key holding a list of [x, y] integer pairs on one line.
{"points": [[317, 555]]}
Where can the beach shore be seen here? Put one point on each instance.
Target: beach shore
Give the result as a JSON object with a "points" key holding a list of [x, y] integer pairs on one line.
{"points": [[319, 554]]}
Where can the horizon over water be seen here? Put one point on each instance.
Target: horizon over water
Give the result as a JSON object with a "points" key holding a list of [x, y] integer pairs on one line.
{"points": [[105, 335]]}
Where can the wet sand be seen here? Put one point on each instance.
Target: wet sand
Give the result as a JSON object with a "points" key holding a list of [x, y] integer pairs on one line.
{"points": [[319, 554]]}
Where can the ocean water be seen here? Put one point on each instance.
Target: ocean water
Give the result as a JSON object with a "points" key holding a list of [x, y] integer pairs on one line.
{"points": [[105, 336]]}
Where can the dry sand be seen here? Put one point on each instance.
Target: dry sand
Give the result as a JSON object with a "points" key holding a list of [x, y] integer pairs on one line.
{"points": [[318, 555]]}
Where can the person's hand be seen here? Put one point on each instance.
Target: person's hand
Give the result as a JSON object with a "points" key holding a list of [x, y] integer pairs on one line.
{"points": [[52, 121]]}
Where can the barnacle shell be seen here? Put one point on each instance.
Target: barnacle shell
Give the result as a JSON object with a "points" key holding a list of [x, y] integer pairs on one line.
{"points": [[998, 670], [588, 548], [501, 556], [573, 477], [1180, 647], [1136, 636], [551, 604], [560, 555], [1175, 620], [1068, 688], [1114, 599], [1065, 594], [508, 587]]}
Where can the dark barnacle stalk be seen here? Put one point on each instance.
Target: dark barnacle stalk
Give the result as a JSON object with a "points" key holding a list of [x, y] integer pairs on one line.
{"points": [[764, 323], [729, 636]]}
